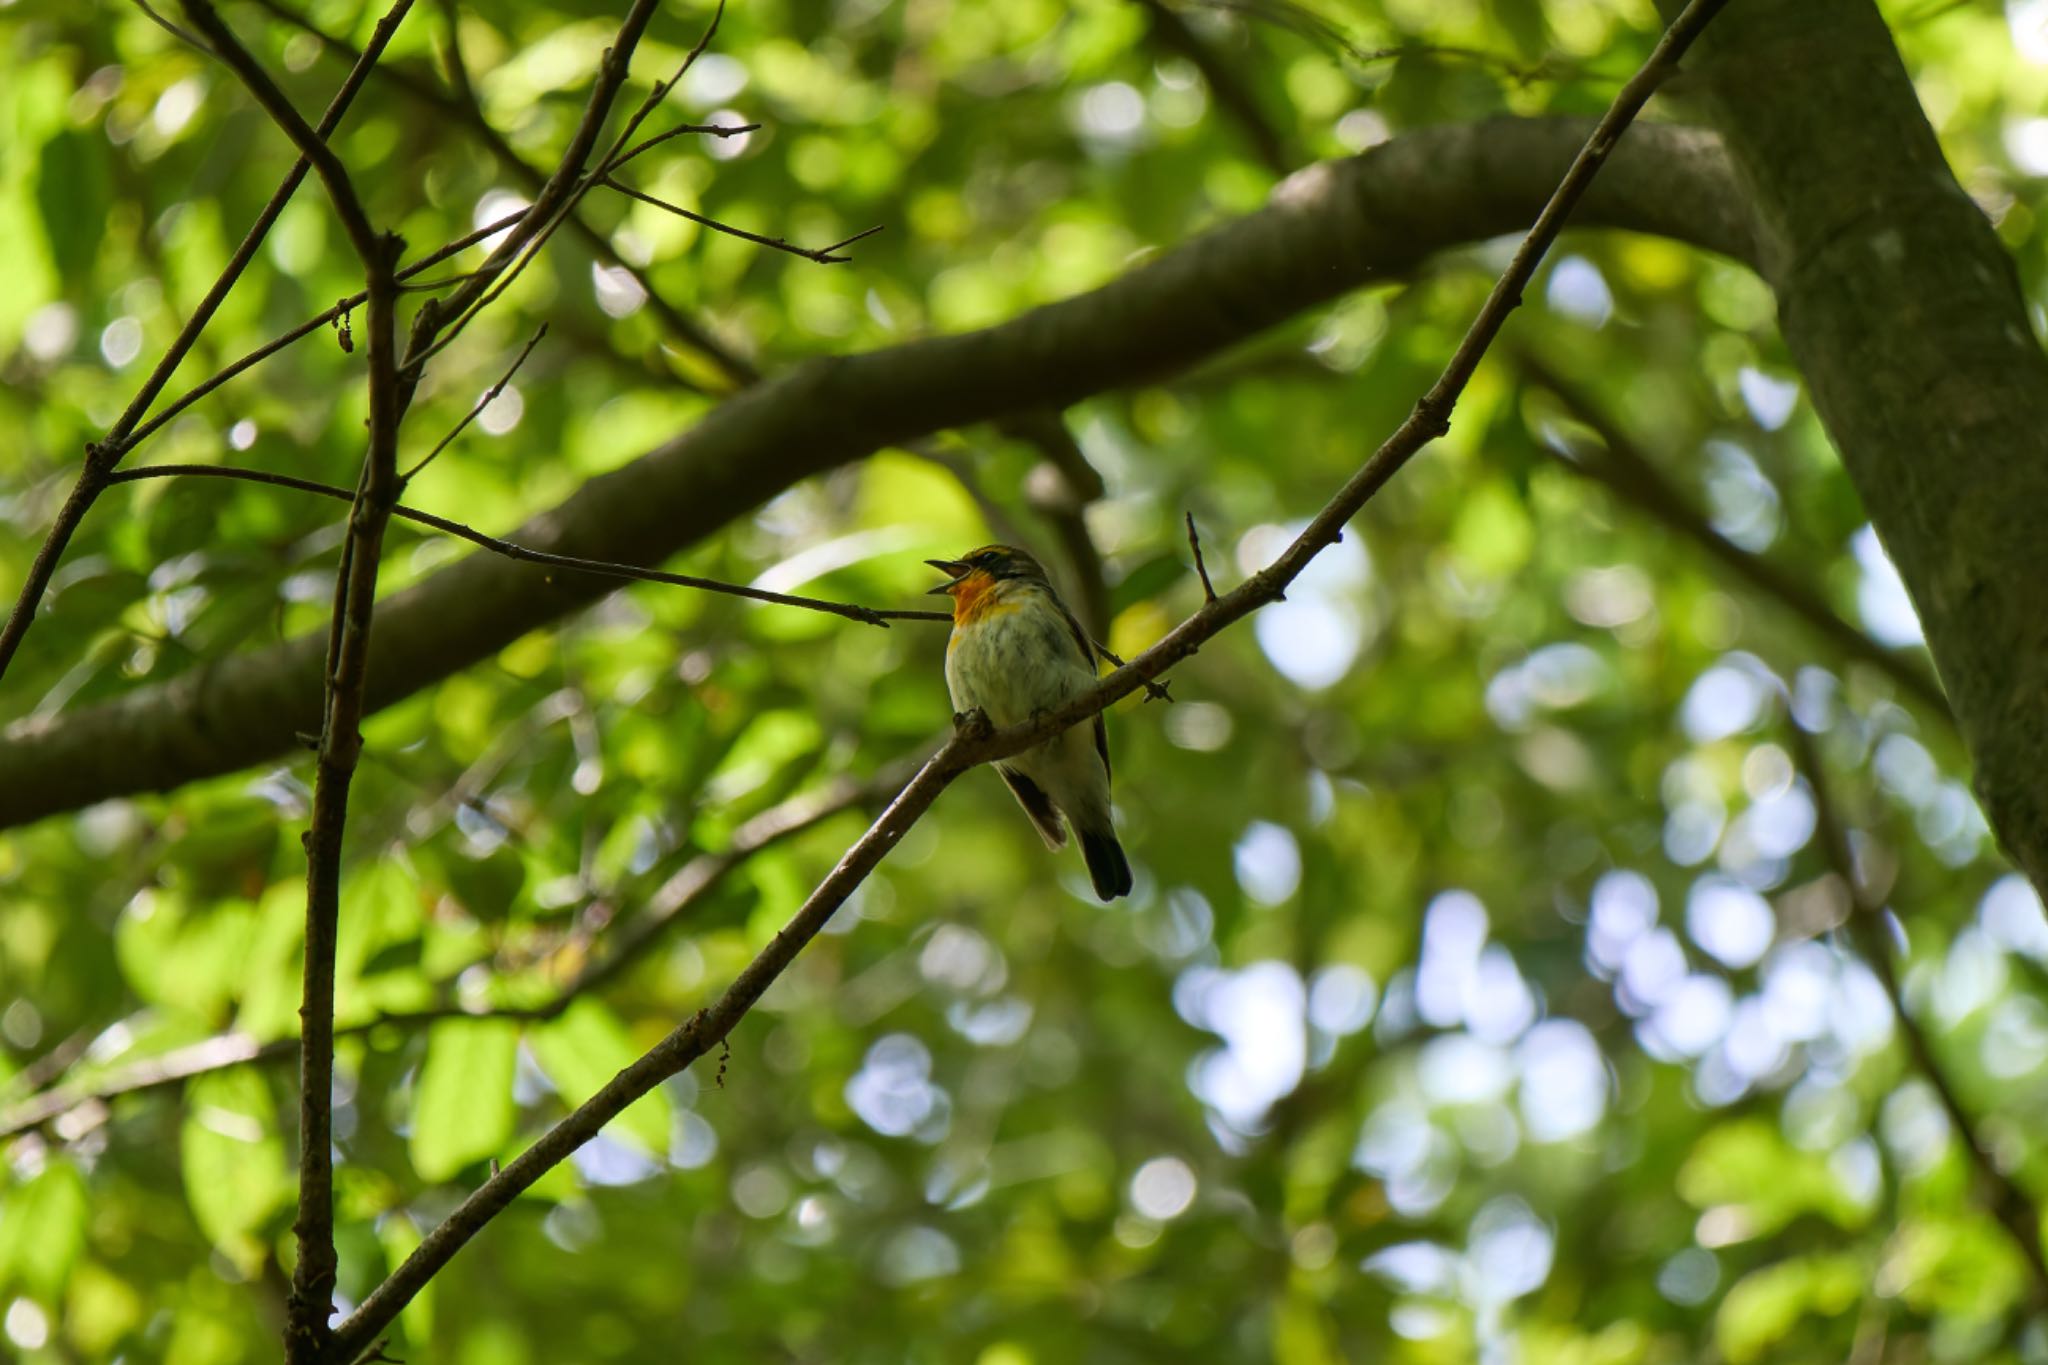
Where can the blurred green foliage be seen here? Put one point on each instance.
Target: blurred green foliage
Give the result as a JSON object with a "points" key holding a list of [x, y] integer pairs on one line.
{"points": [[1482, 994]]}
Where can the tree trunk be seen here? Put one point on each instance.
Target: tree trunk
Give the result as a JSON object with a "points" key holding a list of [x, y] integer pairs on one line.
{"points": [[1905, 315]]}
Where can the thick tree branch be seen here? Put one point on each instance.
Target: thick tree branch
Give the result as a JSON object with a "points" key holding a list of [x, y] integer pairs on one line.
{"points": [[972, 745], [1330, 228], [1904, 314]]}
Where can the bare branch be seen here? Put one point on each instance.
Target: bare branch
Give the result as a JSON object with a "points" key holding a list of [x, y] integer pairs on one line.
{"points": [[1201, 568], [872, 616], [461, 104], [311, 1302], [562, 185], [822, 255], [312, 144], [183, 35], [967, 748], [102, 456], [490, 396]]}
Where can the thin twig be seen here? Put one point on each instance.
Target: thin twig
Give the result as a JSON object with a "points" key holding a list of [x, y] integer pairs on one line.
{"points": [[822, 255], [1625, 469], [1201, 568], [183, 35], [557, 198], [102, 456], [490, 396], [462, 104], [560, 187], [1155, 688], [721, 131], [2012, 1206], [973, 745], [326, 317], [871, 616], [312, 145]]}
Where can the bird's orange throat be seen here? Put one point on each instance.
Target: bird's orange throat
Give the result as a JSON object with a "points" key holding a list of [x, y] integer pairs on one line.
{"points": [[975, 597]]}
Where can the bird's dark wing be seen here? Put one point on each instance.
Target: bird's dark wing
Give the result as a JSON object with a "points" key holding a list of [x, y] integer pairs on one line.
{"points": [[1081, 640], [1087, 648], [1038, 806]]}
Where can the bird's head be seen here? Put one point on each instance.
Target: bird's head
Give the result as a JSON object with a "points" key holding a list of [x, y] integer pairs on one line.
{"points": [[979, 569]]}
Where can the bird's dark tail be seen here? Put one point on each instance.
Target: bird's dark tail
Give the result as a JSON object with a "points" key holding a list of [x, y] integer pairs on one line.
{"points": [[1107, 866]]}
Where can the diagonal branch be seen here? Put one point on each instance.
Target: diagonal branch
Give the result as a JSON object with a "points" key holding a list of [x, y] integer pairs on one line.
{"points": [[972, 745], [2012, 1206], [1632, 475], [490, 396], [822, 255], [341, 191]]}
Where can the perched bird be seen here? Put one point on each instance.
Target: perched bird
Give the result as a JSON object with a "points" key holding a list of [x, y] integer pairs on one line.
{"points": [[1017, 652]]}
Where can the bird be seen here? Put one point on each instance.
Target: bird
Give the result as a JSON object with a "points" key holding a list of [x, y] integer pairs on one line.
{"points": [[1016, 652]]}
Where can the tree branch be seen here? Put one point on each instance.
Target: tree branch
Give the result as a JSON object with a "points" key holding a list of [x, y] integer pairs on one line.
{"points": [[341, 743], [461, 103], [490, 396], [970, 745], [1622, 467], [871, 616], [102, 456], [822, 255], [1902, 309], [312, 145], [1332, 228], [2008, 1203]]}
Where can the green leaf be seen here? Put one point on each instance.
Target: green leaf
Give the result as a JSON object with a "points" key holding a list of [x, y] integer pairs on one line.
{"points": [[1766, 1305], [582, 1051], [463, 1110], [72, 190], [234, 1165], [45, 1223]]}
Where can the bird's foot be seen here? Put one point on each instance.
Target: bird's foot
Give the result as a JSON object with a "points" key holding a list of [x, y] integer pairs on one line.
{"points": [[973, 724]]}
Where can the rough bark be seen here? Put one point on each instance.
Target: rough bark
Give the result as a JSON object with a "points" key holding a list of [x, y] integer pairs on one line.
{"points": [[1905, 316], [1328, 229]]}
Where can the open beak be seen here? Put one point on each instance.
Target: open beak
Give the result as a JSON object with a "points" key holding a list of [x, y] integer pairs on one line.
{"points": [[954, 570]]}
